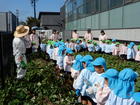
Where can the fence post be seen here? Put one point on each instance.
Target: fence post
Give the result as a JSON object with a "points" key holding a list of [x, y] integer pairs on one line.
{"points": [[1, 62]]}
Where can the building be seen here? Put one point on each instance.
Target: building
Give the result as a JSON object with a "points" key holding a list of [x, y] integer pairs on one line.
{"points": [[8, 22], [119, 18], [50, 20]]}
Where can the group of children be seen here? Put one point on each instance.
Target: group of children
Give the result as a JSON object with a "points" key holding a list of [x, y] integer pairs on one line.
{"points": [[97, 85], [112, 47], [94, 84], [124, 50]]}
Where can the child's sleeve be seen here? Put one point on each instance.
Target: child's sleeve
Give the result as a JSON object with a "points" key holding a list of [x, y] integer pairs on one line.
{"points": [[102, 95], [80, 81]]}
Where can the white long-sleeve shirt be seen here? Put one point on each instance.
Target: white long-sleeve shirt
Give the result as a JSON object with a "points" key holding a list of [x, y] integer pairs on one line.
{"points": [[75, 35], [19, 47], [88, 36], [27, 41], [34, 38], [102, 37]]}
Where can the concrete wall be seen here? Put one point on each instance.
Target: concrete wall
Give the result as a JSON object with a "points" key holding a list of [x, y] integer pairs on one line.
{"points": [[8, 22], [3, 22], [121, 34], [51, 21]]}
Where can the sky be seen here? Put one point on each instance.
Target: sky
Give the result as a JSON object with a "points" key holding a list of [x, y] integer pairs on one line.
{"points": [[25, 8]]}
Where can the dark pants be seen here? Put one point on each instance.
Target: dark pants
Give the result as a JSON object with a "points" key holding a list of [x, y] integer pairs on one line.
{"points": [[123, 56], [109, 53], [28, 53], [130, 60]]}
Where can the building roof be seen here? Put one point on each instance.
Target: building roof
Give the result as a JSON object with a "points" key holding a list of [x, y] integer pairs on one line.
{"points": [[48, 13]]}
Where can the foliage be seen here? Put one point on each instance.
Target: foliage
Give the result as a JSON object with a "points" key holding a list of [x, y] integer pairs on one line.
{"points": [[42, 85], [32, 22], [22, 23]]}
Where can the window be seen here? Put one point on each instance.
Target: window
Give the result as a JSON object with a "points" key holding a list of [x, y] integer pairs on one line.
{"points": [[74, 14], [80, 11], [69, 7], [104, 5], [74, 5], [95, 6], [79, 2], [115, 3], [128, 1]]}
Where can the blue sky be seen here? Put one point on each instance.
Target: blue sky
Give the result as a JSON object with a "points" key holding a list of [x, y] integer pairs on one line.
{"points": [[25, 8]]}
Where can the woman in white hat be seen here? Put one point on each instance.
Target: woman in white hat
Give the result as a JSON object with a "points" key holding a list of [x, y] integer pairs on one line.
{"points": [[19, 50]]}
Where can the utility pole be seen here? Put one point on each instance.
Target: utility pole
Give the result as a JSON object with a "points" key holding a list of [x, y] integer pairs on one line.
{"points": [[1, 63], [17, 16], [34, 9], [33, 2]]}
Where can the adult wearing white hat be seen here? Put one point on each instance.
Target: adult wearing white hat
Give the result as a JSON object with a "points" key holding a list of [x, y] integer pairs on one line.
{"points": [[19, 50]]}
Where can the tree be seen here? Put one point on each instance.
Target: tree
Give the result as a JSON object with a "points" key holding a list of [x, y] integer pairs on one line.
{"points": [[22, 23], [31, 21], [33, 3]]}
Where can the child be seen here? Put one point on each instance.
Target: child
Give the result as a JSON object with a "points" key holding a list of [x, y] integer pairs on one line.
{"points": [[123, 50], [122, 93], [97, 47], [95, 79], [108, 47], [77, 46], [86, 60], [113, 44], [72, 44], [84, 45], [43, 46], [110, 77], [67, 43], [68, 60], [136, 98], [50, 49], [60, 58], [90, 46], [131, 53], [137, 58], [76, 68], [80, 84], [55, 51], [102, 45], [116, 49]]}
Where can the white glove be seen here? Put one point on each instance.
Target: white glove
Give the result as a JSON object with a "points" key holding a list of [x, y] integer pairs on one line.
{"points": [[90, 90]]}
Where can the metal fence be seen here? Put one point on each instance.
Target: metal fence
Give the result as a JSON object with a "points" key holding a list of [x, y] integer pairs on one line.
{"points": [[6, 57]]}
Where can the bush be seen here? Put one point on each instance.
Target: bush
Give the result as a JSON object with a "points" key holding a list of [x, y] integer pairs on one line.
{"points": [[42, 85]]}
